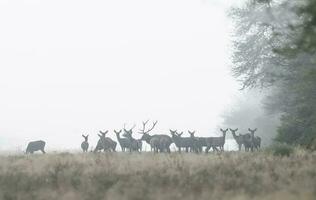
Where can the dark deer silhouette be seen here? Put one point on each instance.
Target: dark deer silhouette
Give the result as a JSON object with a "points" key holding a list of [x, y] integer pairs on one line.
{"points": [[238, 138], [256, 140], [181, 142], [196, 143], [105, 143], [85, 143], [158, 143], [242, 139], [134, 144], [124, 142], [35, 146], [215, 142]]}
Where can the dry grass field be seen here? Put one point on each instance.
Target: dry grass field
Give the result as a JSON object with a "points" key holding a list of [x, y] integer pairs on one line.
{"points": [[230, 175]]}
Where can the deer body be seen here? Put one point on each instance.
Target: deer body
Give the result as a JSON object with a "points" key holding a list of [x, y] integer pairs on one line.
{"points": [[105, 143], [35, 146], [134, 144], [182, 142], [197, 145], [124, 142], [158, 143], [255, 141], [215, 142]]}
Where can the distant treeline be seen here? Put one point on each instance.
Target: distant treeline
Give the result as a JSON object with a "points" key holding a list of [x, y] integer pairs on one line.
{"points": [[275, 50]]}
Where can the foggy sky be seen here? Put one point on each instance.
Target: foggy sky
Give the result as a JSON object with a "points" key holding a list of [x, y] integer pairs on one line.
{"points": [[70, 67]]}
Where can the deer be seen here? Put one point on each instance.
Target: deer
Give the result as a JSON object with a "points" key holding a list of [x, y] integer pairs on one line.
{"points": [[181, 142], [124, 142], [134, 144], [105, 143], [238, 138], [242, 139], [215, 142], [158, 143], [85, 144], [195, 142], [35, 146], [256, 141]]}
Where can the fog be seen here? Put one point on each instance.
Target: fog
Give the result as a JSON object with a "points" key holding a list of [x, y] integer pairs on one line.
{"points": [[70, 68]]}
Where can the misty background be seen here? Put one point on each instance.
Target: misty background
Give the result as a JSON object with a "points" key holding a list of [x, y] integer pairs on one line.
{"points": [[70, 68]]}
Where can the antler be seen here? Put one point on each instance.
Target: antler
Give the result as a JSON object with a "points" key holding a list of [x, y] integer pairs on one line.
{"points": [[142, 131], [133, 127]]}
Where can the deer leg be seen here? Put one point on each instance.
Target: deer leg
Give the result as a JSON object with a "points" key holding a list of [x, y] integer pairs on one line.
{"points": [[43, 151], [207, 149]]}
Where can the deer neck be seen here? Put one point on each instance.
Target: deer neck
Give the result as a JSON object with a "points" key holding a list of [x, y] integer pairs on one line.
{"points": [[148, 138], [234, 135], [118, 136]]}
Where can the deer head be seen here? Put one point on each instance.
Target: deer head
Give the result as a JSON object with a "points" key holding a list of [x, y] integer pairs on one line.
{"points": [[191, 133], [173, 133], [179, 134], [145, 132], [252, 131], [103, 133], [117, 132], [85, 137], [224, 131]]}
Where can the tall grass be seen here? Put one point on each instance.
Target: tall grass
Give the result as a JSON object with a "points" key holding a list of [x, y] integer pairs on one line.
{"points": [[229, 175]]}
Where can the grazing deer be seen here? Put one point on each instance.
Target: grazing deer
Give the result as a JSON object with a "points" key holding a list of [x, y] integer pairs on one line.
{"points": [[256, 141], [134, 144], [105, 143], [215, 142], [85, 144], [35, 146], [124, 142], [158, 143]]}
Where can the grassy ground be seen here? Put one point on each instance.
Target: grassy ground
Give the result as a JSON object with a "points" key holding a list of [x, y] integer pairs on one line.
{"points": [[147, 176]]}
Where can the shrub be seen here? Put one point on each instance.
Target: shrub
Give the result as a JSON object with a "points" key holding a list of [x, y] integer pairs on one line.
{"points": [[281, 149]]}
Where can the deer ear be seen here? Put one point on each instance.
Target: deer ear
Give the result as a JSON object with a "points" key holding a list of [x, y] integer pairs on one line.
{"points": [[255, 129], [226, 129], [236, 129], [249, 129], [99, 135], [221, 129]]}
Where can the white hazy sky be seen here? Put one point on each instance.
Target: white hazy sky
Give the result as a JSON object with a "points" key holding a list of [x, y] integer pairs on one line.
{"points": [[69, 67]]}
